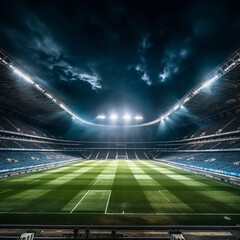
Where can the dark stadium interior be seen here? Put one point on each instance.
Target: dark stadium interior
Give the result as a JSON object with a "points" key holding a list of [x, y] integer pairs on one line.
{"points": [[189, 124]]}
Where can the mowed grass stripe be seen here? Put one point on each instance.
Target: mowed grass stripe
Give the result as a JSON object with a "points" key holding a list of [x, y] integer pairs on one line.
{"points": [[51, 198], [21, 183], [94, 202], [78, 203], [147, 192], [98, 196], [197, 178], [159, 198], [194, 197], [187, 193], [64, 193], [4, 191], [127, 195], [17, 182]]}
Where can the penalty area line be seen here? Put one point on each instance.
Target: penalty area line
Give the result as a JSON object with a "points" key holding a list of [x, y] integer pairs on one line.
{"points": [[80, 201], [83, 196], [109, 196]]}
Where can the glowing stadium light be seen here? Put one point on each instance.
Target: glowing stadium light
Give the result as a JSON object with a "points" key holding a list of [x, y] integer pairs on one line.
{"points": [[176, 107], [162, 119], [3, 61], [209, 82], [138, 118], [186, 99], [22, 75], [113, 116], [101, 116], [196, 91], [220, 71], [38, 87], [65, 109], [49, 95], [127, 117]]}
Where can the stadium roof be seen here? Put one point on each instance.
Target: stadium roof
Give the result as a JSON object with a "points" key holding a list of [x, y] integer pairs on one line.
{"points": [[102, 57], [17, 96], [21, 97]]}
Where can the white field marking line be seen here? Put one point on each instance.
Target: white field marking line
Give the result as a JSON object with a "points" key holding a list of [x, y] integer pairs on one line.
{"points": [[98, 178], [160, 186], [83, 197], [165, 196], [34, 181], [108, 201], [80, 201], [5, 191], [96, 181], [149, 214]]}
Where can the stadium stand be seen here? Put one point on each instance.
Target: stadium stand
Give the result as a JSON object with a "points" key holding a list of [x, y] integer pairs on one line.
{"points": [[225, 163], [20, 162], [112, 155], [222, 162], [27, 145], [217, 125]]}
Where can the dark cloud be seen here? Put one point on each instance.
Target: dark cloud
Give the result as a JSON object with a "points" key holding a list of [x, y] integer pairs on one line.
{"points": [[140, 55]]}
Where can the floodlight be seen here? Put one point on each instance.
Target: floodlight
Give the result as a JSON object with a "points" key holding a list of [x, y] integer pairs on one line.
{"points": [[196, 91], [101, 116], [138, 117], [24, 76], [176, 107], [113, 116], [127, 117], [209, 82], [38, 87], [48, 95], [186, 99]]}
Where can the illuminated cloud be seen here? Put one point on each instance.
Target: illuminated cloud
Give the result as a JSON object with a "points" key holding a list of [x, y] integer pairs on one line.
{"points": [[145, 42], [171, 62], [68, 73], [114, 52], [47, 52], [144, 75], [142, 66], [94, 80]]}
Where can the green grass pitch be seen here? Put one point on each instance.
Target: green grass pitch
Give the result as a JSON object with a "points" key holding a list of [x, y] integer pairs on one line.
{"points": [[118, 192]]}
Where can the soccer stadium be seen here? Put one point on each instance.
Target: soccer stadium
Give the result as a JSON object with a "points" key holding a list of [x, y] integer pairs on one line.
{"points": [[90, 161]]}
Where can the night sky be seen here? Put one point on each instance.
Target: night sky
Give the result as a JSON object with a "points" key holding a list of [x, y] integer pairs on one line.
{"points": [[104, 56]]}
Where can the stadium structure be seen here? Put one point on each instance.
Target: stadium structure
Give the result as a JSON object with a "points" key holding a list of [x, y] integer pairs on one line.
{"points": [[122, 183]]}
